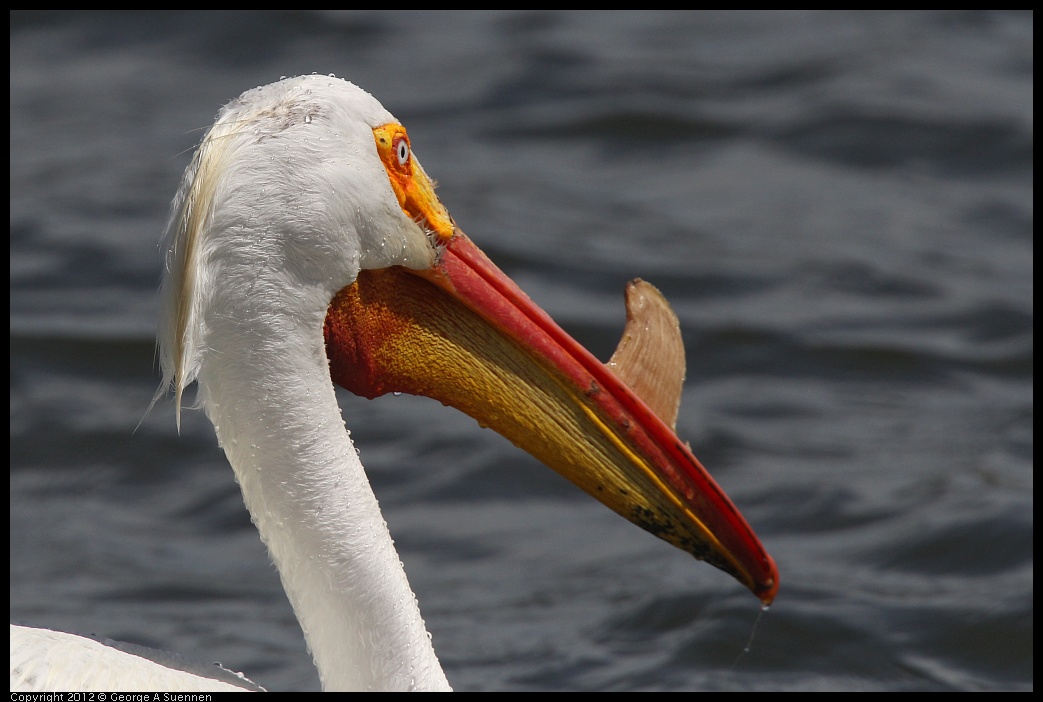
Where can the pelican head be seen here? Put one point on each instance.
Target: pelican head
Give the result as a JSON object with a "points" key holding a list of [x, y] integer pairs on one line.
{"points": [[306, 242]]}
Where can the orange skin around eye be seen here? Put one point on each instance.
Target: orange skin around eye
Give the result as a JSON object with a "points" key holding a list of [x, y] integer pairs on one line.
{"points": [[414, 190]]}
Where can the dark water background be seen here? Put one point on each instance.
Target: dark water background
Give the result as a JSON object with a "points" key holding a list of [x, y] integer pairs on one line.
{"points": [[838, 205]]}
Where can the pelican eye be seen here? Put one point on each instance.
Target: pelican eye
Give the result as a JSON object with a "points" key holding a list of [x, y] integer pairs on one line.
{"points": [[402, 151]]}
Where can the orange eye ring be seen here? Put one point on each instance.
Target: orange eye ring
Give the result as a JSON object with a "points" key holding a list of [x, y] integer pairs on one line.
{"points": [[412, 187]]}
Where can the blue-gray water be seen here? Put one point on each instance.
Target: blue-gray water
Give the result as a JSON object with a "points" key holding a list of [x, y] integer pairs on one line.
{"points": [[838, 205]]}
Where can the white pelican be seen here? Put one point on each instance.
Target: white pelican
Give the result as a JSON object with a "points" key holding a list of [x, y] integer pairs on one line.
{"points": [[306, 240]]}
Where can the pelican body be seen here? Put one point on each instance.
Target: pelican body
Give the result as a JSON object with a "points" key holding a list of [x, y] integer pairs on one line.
{"points": [[306, 243]]}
